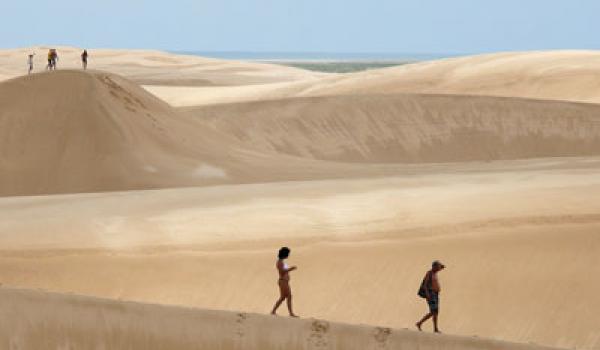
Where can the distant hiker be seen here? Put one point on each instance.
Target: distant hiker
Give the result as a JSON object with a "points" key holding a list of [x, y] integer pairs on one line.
{"points": [[430, 290], [284, 281], [49, 66], [84, 59], [54, 55], [52, 59], [30, 63]]}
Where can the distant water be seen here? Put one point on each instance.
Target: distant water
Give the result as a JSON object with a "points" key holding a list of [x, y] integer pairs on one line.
{"points": [[331, 62], [316, 56]]}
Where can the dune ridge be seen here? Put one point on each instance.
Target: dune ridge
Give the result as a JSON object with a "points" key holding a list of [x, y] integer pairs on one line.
{"points": [[37, 319], [410, 128], [155, 67]]}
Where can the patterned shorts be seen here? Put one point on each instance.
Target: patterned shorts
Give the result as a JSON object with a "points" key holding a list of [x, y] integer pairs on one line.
{"points": [[434, 302]]}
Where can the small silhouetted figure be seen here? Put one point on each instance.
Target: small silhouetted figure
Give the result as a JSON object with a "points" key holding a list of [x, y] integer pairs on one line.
{"points": [[84, 59], [49, 66], [430, 290], [30, 63], [284, 281], [52, 59]]}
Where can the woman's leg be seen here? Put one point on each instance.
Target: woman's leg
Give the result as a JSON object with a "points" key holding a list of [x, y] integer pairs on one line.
{"points": [[282, 296], [289, 300]]}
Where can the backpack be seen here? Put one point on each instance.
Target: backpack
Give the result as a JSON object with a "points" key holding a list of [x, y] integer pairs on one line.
{"points": [[426, 282]]}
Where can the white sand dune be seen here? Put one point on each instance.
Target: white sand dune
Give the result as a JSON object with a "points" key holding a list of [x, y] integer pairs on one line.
{"points": [[410, 128], [50, 321]]}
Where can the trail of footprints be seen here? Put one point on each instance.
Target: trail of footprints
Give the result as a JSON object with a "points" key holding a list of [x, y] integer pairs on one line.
{"points": [[240, 325], [130, 101]]}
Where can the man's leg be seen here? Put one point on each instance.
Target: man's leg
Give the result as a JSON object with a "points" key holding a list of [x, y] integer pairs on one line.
{"points": [[425, 318], [435, 322]]}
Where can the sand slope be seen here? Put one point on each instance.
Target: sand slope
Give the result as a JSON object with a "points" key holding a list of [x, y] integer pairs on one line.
{"points": [[520, 239], [519, 236], [555, 75], [35, 320], [70, 131], [550, 75], [74, 131], [410, 128]]}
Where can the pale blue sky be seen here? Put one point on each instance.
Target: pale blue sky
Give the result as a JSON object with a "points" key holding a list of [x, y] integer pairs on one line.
{"points": [[419, 26]]}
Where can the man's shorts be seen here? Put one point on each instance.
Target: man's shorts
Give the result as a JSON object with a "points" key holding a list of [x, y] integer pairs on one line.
{"points": [[434, 302]]}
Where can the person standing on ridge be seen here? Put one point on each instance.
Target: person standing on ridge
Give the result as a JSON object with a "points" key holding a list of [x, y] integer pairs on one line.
{"points": [[284, 281], [84, 59], [49, 66], [430, 290], [30, 63], [54, 58]]}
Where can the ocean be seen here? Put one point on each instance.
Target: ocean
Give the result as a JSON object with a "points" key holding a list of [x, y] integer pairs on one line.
{"points": [[330, 62]]}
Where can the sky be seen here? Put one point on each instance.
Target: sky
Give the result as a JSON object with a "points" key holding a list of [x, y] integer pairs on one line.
{"points": [[385, 26]]}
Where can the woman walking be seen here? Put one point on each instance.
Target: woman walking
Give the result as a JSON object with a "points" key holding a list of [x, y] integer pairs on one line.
{"points": [[284, 281]]}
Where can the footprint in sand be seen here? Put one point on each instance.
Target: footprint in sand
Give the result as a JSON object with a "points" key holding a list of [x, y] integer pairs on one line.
{"points": [[381, 336], [319, 335]]}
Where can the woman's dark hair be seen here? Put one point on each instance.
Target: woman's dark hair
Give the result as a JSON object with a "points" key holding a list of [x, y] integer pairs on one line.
{"points": [[283, 253]]}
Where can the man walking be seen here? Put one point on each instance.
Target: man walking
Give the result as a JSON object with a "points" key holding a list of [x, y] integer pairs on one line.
{"points": [[430, 290]]}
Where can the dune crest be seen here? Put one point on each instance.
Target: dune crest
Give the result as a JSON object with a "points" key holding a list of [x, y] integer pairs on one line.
{"points": [[41, 320]]}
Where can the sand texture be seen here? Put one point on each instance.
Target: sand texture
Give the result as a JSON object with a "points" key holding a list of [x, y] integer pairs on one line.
{"points": [[173, 180], [53, 321]]}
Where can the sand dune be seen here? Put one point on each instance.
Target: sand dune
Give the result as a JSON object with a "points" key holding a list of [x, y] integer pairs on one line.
{"points": [[516, 237], [190, 81], [552, 75], [510, 206], [548, 75], [74, 131], [53, 321], [410, 128], [71, 131], [153, 67]]}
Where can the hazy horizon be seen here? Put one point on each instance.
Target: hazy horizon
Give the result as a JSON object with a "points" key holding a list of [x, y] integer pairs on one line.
{"points": [[459, 27]]}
